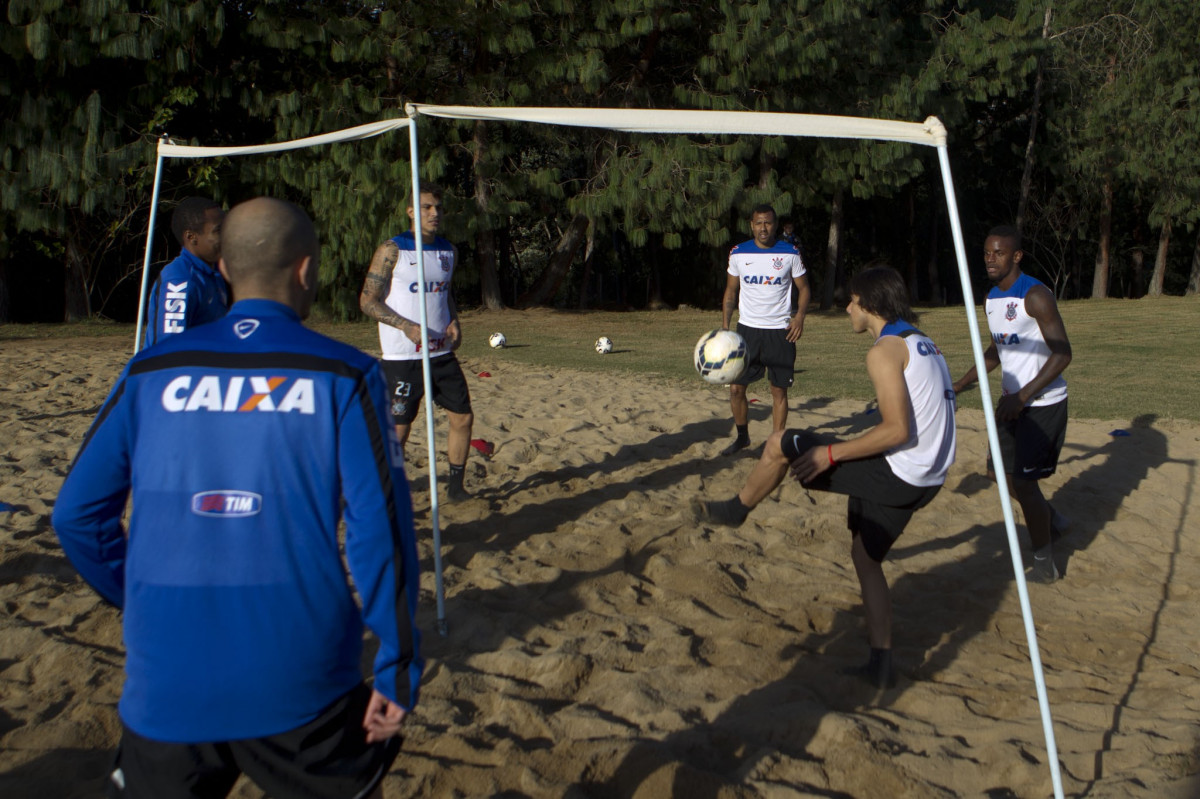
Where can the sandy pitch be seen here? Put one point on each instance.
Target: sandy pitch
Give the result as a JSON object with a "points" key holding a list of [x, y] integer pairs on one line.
{"points": [[601, 645]]}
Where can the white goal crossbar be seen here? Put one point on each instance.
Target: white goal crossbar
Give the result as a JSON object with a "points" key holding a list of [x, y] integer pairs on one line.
{"points": [[931, 133]]}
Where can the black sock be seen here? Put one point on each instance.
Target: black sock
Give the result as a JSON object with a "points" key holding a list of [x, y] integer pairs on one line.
{"points": [[743, 432], [731, 511], [456, 475]]}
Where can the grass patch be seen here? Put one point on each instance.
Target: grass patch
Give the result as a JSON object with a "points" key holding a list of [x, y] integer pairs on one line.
{"points": [[1131, 359]]}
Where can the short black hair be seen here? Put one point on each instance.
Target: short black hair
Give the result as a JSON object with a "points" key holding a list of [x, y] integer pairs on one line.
{"points": [[429, 188], [1007, 232], [764, 208], [191, 214], [881, 291]]}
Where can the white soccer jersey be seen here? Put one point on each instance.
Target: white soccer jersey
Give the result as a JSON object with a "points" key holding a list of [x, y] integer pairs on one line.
{"points": [[1019, 341], [404, 299], [926, 457], [765, 278]]}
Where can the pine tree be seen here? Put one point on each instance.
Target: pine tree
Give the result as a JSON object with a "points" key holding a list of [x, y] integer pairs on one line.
{"points": [[82, 86]]}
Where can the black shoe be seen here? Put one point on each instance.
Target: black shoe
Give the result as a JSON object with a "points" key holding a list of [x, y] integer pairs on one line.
{"points": [[730, 513], [456, 493], [1043, 571], [738, 445], [877, 672]]}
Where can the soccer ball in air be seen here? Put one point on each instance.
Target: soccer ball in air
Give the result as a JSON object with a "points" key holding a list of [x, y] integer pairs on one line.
{"points": [[720, 356], [604, 345], [497, 341]]}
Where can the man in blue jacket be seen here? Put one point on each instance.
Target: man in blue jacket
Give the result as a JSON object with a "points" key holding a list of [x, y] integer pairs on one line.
{"points": [[243, 442], [190, 291]]}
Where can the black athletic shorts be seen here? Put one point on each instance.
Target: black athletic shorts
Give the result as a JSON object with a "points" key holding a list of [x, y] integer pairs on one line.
{"points": [[768, 351], [406, 381], [1030, 446], [327, 758], [880, 504]]}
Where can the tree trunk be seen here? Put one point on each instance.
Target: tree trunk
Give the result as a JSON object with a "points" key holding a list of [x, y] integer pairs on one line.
{"points": [[654, 300], [911, 270], [833, 250], [1103, 254], [5, 310], [1160, 261], [544, 289], [1034, 112], [485, 239], [1193, 286], [935, 279], [589, 250], [78, 303], [1138, 259]]}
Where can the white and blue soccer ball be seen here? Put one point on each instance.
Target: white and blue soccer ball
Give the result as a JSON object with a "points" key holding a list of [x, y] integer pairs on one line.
{"points": [[604, 345], [720, 356], [497, 341]]}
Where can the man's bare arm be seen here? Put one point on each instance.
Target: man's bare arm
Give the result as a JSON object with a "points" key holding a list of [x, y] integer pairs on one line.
{"points": [[375, 290], [729, 303]]}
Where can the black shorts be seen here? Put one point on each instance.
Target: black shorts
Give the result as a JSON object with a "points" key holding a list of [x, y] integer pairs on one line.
{"points": [[880, 504], [406, 381], [767, 351], [1030, 446], [327, 758]]}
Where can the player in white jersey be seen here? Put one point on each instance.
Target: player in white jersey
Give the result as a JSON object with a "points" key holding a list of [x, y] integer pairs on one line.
{"points": [[761, 274], [390, 296], [1029, 343], [890, 471]]}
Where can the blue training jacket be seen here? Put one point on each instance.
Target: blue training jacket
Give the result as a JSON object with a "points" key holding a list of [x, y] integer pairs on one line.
{"points": [[188, 293], [240, 440]]}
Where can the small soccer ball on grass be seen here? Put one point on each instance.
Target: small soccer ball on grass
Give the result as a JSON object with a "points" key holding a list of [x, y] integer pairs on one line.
{"points": [[720, 356], [497, 341], [604, 345]]}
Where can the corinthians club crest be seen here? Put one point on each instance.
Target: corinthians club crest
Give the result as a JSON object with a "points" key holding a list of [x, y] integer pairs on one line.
{"points": [[1011, 313]]}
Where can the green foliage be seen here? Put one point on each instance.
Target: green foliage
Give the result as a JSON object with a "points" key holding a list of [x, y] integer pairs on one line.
{"points": [[87, 87], [79, 84]]}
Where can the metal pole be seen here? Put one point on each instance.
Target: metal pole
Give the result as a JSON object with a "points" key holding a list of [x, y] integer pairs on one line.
{"points": [[433, 494], [1014, 547], [141, 317]]}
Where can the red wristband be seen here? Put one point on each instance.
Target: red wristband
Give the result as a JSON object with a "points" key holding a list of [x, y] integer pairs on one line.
{"points": [[829, 452]]}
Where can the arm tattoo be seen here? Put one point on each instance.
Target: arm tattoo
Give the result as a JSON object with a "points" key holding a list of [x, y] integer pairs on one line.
{"points": [[376, 287]]}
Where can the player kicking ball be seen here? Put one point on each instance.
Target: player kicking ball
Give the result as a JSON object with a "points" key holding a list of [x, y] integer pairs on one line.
{"points": [[890, 471]]}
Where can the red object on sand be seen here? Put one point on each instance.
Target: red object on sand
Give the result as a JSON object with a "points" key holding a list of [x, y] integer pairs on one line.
{"points": [[485, 374], [484, 447], [753, 400]]}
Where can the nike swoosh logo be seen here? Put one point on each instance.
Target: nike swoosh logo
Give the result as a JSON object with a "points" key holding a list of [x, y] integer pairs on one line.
{"points": [[1027, 470]]}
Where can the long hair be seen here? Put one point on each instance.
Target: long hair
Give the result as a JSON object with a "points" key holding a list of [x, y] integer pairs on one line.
{"points": [[881, 291]]}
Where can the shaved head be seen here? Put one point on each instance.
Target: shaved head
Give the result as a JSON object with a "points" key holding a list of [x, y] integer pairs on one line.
{"points": [[269, 249], [263, 237]]}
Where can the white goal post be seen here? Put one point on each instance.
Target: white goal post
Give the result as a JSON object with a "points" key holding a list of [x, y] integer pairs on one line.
{"points": [[930, 133]]}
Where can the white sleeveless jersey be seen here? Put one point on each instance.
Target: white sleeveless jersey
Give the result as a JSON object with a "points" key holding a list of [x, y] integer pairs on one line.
{"points": [[765, 278], [404, 299], [1019, 341], [926, 457]]}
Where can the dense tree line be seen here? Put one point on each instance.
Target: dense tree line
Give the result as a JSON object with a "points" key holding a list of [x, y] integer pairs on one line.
{"points": [[1078, 119]]}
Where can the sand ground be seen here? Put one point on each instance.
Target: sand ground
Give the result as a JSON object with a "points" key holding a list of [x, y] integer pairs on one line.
{"points": [[600, 643]]}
